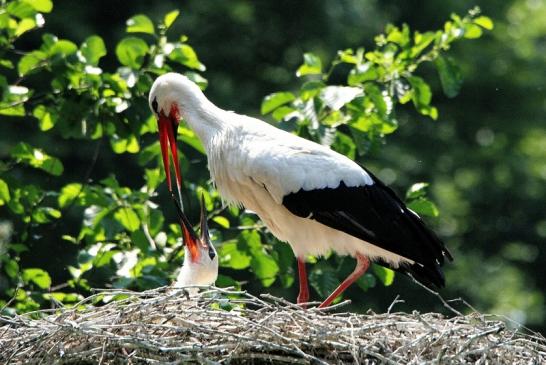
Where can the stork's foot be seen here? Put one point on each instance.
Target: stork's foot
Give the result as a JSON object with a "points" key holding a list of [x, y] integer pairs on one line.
{"points": [[303, 296], [362, 265]]}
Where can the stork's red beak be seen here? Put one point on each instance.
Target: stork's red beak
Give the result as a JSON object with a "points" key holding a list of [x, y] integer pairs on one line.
{"points": [[168, 127], [189, 237]]}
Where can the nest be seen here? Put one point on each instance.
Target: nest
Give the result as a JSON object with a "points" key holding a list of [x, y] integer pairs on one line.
{"points": [[226, 326]]}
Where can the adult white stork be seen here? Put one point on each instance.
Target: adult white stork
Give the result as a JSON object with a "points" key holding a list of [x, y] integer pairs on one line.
{"points": [[200, 258], [306, 194]]}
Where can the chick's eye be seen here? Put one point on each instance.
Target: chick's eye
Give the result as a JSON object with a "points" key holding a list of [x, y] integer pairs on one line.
{"points": [[212, 254], [154, 105]]}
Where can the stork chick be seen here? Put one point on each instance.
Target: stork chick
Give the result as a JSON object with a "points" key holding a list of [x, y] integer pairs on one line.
{"points": [[200, 258]]}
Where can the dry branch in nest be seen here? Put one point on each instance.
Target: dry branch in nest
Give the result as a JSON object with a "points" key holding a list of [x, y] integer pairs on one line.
{"points": [[221, 325]]}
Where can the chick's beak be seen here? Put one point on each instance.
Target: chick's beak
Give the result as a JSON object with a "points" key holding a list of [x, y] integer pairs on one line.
{"points": [[168, 127], [205, 236], [189, 237]]}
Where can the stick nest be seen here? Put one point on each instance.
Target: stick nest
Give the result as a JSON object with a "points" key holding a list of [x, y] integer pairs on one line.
{"points": [[218, 325]]}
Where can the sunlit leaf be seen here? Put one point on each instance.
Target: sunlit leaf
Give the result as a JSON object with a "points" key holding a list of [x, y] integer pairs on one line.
{"points": [[222, 221], [24, 26], [131, 51], [185, 55], [265, 268], [275, 100], [128, 218], [4, 192], [423, 206], [385, 275], [362, 73], [69, 193], [45, 120], [38, 276], [417, 190], [37, 158], [232, 257], [93, 49], [484, 22], [140, 24], [20, 9], [62, 47], [170, 18], [472, 31], [30, 61], [43, 6], [312, 65]]}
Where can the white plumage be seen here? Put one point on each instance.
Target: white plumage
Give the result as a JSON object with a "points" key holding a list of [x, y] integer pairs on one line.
{"points": [[257, 165]]}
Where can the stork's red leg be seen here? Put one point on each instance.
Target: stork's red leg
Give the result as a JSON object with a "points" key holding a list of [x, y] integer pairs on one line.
{"points": [[303, 296], [362, 265]]}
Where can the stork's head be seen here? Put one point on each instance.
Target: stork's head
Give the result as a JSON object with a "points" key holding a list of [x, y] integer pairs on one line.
{"points": [[171, 96], [200, 259]]}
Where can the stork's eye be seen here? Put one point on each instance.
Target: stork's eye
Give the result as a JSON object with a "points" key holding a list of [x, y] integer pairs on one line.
{"points": [[212, 254], [154, 105]]}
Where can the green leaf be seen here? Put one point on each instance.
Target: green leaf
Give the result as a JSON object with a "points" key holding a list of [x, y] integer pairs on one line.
{"points": [[275, 100], [37, 158], [45, 119], [385, 275], [186, 135], [366, 281], [312, 65], [69, 193], [140, 24], [344, 145], [282, 112], [30, 61], [450, 76], [20, 9], [24, 26], [347, 56], [4, 192], [472, 31], [43, 6], [422, 41], [417, 190], [12, 268], [128, 218], [38, 277], [131, 51], [186, 56], [222, 221], [170, 17], [62, 47], [198, 79], [93, 49], [361, 74], [232, 257], [265, 268], [323, 278], [424, 206], [421, 91], [153, 178], [484, 22]]}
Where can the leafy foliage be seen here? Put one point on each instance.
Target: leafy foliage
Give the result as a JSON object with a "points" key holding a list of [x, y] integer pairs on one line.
{"points": [[121, 237]]}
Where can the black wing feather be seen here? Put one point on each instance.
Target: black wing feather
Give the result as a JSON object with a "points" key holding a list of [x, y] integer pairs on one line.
{"points": [[376, 215]]}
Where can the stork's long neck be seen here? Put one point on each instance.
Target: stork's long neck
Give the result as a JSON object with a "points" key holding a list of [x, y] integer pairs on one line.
{"points": [[204, 118]]}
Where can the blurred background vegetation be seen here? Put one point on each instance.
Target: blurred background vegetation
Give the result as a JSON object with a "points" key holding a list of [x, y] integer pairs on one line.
{"points": [[484, 156]]}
